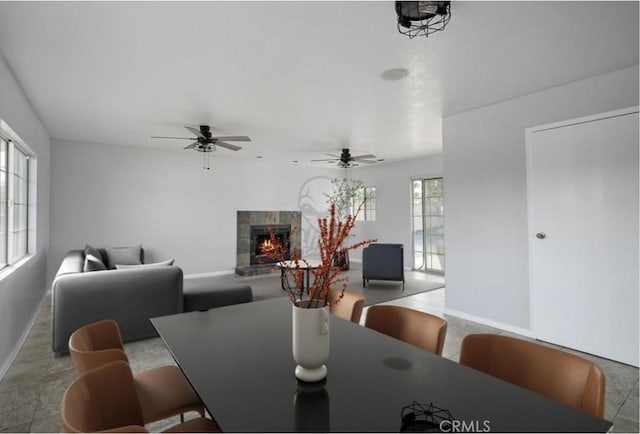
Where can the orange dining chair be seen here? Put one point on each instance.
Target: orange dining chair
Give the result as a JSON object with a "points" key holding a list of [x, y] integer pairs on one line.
{"points": [[411, 326], [346, 305], [105, 399], [163, 391], [556, 374]]}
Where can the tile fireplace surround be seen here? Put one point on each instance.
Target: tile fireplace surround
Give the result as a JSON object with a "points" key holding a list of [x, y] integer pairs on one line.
{"points": [[246, 219]]}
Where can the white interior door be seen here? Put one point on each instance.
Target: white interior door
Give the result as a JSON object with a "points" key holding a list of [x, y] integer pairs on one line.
{"points": [[582, 183]]}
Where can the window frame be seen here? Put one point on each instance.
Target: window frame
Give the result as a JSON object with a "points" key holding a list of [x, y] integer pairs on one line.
{"points": [[14, 147], [367, 205]]}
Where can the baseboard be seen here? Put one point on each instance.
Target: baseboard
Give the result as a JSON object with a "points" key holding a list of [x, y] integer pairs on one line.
{"points": [[9, 360], [491, 323], [209, 274]]}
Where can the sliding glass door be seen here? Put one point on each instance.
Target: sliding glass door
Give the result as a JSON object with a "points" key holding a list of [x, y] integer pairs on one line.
{"points": [[428, 225]]}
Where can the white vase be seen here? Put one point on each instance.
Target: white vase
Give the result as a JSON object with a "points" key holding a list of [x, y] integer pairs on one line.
{"points": [[310, 342]]}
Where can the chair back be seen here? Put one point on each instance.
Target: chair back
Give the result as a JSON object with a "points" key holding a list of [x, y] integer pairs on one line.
{"points": [[102, 399], [414, 327], [556, 374], [346, 305], [96, 344], [383, 261]]}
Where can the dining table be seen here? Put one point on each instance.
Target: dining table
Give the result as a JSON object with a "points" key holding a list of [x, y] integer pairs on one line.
{"points": [[239, 361]]}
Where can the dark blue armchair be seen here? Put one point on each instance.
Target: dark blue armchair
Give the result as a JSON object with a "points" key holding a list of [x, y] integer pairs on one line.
{"points": [[383, 262]]}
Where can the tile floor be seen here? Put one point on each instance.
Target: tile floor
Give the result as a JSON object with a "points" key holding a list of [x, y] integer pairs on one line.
{"points": [[32, 389]]}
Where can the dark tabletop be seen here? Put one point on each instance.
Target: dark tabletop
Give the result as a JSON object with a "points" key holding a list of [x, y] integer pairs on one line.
{"points": [[238, 359]]}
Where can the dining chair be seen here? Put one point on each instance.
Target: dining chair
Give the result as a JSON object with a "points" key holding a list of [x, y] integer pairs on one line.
{"points": [[412, 326], [346, 305], [105, 399], [556, 374], [163, 391]]}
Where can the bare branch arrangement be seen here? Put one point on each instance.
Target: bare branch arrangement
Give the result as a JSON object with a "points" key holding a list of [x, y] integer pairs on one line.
{"points": [[333, 233]]}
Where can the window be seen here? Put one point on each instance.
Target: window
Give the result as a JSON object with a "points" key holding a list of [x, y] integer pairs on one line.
{"points": [[3, 202], [428, 225], [20, 203], [17, 198], [367, 197]]}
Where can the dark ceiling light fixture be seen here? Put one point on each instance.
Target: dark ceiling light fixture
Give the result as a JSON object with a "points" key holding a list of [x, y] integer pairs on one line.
{"points": [[422, 17]]}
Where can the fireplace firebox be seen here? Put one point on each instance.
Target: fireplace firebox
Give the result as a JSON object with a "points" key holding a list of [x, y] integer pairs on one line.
{"points": [[261, 241]]}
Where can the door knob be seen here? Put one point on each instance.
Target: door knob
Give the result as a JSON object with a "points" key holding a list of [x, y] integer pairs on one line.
{"points": [[541, 235]]}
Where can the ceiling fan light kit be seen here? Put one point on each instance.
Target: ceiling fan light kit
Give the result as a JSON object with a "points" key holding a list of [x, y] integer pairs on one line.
{"points": [[418, 18]]}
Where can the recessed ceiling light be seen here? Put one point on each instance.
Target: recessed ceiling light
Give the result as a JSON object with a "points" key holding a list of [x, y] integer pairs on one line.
{"points": [[394, 74], [259, 156]]}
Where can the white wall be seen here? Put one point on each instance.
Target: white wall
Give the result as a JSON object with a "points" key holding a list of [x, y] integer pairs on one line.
{"points": [[393, 201], [22, 289], [117, 196], [486, 233]]}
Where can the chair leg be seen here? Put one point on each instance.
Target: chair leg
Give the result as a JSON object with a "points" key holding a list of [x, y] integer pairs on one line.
{"points": [[364, 285], [181, 417]]}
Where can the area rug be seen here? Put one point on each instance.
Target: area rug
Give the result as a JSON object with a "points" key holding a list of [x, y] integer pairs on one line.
{"points": [[378, 291]]}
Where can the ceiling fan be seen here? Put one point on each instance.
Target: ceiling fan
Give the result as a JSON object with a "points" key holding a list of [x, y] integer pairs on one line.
{"points": [[347, 160], [205, 142]]}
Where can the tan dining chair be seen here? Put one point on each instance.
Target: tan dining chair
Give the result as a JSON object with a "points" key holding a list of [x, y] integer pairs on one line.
{"points": [[163, 391], [105, 399], [346, 305], [412, 326], [556, 374]]}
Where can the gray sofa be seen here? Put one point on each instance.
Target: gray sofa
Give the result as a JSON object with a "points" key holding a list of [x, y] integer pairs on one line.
{"points": [[129, 296], [382, 261]]}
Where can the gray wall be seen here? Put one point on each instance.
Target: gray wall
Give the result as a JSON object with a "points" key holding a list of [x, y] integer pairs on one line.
{"points": [[22, 289], [486, 235], [118, 196]]}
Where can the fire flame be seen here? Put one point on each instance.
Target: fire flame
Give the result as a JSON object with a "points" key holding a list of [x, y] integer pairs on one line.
{"points": [[266, 246]]}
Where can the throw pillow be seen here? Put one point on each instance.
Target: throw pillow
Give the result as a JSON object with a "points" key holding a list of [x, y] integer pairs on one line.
{"points": [[123, 255], [151, 265], [92, 259]]}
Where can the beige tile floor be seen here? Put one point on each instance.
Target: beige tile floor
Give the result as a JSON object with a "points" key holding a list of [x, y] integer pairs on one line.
{"points": [[32, 389]]}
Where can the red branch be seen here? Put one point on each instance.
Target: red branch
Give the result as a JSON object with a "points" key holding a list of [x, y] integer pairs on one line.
{"points": [[333, 233]]}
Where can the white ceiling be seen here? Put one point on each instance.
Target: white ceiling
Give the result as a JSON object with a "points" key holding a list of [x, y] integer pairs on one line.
{"points": [[300, 78]]}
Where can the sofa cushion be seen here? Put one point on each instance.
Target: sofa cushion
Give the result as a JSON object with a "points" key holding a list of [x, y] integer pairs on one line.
{"points": [[154, 264], [203, 293], [123, 256], [92, 259]]}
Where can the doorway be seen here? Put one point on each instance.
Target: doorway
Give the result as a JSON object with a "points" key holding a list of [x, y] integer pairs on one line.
{"points": [[428, 225]]}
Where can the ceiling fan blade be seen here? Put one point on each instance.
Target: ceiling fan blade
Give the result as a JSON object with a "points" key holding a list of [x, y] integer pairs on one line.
{"points": [[367, 161], [363, 157], [233, 138], [327, 159], [164, 137], [228, 146], [333, 155], [196, 132], [191, 146]]}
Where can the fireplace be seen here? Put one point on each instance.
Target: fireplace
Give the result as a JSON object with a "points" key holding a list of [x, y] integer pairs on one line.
{"points": [[261, 241], [253, 229]]}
